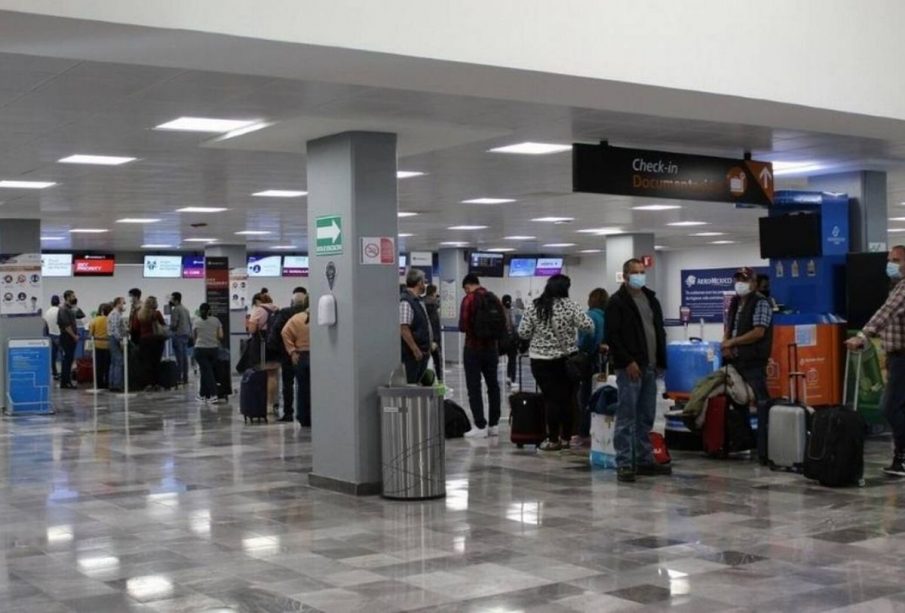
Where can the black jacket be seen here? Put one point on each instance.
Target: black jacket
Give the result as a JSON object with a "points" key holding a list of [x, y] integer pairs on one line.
{"points": [[432, 305], [754, 354], [625, 332]]}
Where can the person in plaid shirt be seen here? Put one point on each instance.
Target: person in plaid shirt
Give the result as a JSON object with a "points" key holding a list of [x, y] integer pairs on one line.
{"points": [[888, 323]]}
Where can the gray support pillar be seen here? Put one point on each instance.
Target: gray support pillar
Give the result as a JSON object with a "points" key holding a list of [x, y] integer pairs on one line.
{"points": [[868, 213], [238, 258], [351, 176], [453, 268], [622, 247], [17, 237]]}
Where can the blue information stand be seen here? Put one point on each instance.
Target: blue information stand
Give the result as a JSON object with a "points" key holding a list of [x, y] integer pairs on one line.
{"points": [[28, 380]]}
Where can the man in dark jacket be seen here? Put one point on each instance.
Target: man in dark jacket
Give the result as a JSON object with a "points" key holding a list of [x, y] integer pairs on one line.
{"points": [[747, 342], [275, 344], [637, 340], [414, 327], [432, 303]]}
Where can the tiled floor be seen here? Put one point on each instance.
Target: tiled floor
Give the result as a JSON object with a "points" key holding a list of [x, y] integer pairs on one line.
{"points": [[175, 507]]}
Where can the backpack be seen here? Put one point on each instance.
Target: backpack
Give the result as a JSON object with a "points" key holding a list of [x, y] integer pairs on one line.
{"points": [[456, 421], [489, 323], [275, 324]]}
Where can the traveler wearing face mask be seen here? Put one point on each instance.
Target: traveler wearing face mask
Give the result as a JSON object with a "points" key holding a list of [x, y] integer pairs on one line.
{"points": [[637, 342], [889, 324], [69, 336], [747, 342], [415, 327]]}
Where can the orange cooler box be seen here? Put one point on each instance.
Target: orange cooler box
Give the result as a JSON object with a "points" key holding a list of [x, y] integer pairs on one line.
{"points": [[820, 357]]}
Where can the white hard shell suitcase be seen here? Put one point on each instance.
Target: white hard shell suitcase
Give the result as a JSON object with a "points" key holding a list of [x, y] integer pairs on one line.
{"points": [[787, 437]]}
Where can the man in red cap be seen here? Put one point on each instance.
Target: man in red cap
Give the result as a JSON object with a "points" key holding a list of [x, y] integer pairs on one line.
{"points": [[747, 342]]}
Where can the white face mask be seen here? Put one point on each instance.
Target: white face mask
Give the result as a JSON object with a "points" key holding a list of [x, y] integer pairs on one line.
{"points": [[742, 288]]}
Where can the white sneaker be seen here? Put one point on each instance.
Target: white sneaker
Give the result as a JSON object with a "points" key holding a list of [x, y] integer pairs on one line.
{"points": [[476, 432], [493, 431]]}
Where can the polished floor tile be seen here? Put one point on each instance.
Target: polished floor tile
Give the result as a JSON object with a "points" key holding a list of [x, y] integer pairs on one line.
{"points": [[167, 505]]}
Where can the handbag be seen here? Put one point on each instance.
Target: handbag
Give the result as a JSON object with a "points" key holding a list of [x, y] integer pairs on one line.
{"points": [[159, 330], [578, 367]]}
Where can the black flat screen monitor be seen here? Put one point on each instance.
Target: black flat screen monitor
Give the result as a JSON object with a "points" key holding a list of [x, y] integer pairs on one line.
{"points": [[486, 264], [790, 236]]}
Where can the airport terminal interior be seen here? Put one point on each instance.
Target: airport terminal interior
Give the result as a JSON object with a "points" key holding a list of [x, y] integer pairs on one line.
{"points": [[231, 152]]}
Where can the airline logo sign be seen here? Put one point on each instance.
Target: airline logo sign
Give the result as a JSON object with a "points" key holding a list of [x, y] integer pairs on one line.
{"points": [[602, 169]]}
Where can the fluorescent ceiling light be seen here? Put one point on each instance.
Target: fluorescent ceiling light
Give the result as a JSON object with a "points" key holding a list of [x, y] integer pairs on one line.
{"points": [[553, 219], [454, 243], [408, 174], [685, 224], [401, 214], [27, 184], [100, 160], [601, 231], [659, 247], [156, 246], [206, 124], [284, 247], [708, 234], [253, 232], [254, 127], [280, 193], [202, 209], [529, 148], [467, 228], [405, 235], [897, 219], [88, 231], [488, 201], [501, 249], [794, 168], [53, 238], [890, 230], [519, 238], [200, 240], [559, 245], [590, 251], [657, 207], [137, 220], [722, 242]]}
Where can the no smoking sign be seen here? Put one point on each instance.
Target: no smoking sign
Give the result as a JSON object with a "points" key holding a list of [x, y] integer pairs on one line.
{"points": [[378, 250]]}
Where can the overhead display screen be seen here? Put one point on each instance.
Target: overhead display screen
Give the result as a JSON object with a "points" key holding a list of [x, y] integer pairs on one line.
{"points": [[790, 236], [485, 264], [93, 265], [56, 264], [547, 267], [522, 267], [402, 263], [265, 266], [295, 265], [193, 267], [163, 266]]}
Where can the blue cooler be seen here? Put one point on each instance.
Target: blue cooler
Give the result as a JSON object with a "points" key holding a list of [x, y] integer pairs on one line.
{"points": [[687, 362]]}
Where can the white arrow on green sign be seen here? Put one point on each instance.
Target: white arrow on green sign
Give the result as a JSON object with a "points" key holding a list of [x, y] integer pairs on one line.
{"points": [[329, 235]]}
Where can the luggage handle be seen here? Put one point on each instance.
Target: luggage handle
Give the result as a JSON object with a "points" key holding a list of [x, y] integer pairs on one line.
{"points": [[695, 339], [848, 360], [795, 376]]}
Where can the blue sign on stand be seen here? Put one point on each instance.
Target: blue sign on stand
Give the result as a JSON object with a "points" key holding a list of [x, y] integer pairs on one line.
{"points": [[28, 380], [704, 292]]}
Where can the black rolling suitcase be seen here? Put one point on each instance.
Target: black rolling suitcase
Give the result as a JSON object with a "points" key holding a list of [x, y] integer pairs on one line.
{"points": [[223, 375], [835, 452], [527, 415], [253, 391], [168, 375]]}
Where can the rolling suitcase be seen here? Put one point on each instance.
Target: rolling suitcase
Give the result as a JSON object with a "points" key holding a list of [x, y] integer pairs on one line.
{"points": [[253, 392], [835, 452], [727, 428], [168, 376], [223, 375], [527, 415], [84, 370], [786, 427]]}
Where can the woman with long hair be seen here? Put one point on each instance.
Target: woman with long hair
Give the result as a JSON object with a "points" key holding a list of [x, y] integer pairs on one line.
{"points": [[591, 343], [150, 328], [208, 332], [552, 324]]}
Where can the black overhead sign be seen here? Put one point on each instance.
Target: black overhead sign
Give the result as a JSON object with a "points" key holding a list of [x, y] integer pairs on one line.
{"points": [[602, 169]]}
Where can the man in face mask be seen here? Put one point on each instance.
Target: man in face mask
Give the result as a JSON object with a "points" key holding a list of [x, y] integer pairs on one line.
{"points": [[888, 323], [637, 341], [69, 337], [748, 341], [414, 327]]}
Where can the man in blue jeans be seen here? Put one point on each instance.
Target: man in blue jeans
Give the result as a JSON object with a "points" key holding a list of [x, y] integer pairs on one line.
{"points": [[181, 325], [481, 358], [637, 341]]}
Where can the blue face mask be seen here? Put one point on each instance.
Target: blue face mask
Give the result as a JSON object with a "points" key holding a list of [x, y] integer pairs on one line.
{"points": [[637, 281], [892, 270]]}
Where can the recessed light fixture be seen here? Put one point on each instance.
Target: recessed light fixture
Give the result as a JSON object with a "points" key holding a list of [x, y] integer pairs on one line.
{"points": [[53, 238], [253, 127], [280, 193], [795, 168], [206, 124], [601, 231], [156, 246], [454, 244], [11, 184], [88, 231], [553, 219], [466, 227], [402, 214], [657, 207], [897, 219], [501, 249], [559, 245], [284, 247], [659, 247], [99, 160], [686, 224], [405, 235], [519, 238], [202, 209], [408, 174], [529, 148], [591, 251], [137, 220], [253, 232], [722, 242], [200, 240], [708, 234], [488, 201], [890, 230]]}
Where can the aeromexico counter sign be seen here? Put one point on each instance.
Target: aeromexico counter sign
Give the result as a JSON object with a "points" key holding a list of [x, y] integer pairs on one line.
{"points": [[603, 169]]}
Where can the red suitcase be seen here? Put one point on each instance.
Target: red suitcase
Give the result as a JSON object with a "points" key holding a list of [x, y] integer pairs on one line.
{"points": [[84, 370], [727, 429]]}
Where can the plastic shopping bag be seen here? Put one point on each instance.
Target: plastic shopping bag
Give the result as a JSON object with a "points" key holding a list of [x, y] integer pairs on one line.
{"points": [[603, 451]]}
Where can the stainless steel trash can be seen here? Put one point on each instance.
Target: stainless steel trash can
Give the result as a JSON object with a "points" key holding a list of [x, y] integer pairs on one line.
{"points": [[412, 443]]}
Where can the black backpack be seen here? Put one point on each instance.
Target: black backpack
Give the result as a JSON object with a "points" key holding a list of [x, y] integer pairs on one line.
{"points": [[275, 324], [489, 322], [456, 421]]}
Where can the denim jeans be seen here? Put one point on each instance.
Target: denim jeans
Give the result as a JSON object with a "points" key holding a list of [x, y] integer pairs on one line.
{"points": [[894, 400], [303, 388], [482, 363], [181, 349], [207, 361], [54, 354], [635, 416], [67, 346], [116, 364], [287, 375]]}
